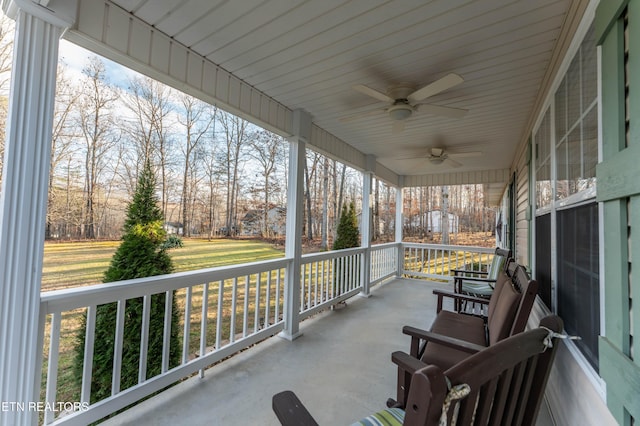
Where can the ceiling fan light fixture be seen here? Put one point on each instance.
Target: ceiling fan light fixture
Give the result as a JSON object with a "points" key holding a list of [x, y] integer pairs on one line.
{"points": [[436, 160], [400, 112]]}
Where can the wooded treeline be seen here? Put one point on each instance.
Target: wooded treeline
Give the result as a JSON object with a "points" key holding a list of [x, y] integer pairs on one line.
{"points": [[217, 174], [215, 171]]}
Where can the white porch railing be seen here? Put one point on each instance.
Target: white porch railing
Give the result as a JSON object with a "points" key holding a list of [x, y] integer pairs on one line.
{"points": [[222, 310], [329, 278], [435, 261], [384, 262]]}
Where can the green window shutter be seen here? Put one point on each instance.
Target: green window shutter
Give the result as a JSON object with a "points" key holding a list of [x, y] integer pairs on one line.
{"points": [[618, 30]]}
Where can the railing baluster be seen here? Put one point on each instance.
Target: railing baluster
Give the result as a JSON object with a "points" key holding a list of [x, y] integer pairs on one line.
{"points": [[355, 270], [315, 283], [144, 338], [256, 317], [267, 309], [323, 286], [276, 315], [52, 368], [166, 335], [220, 313], [234, 297], [245, 314], [187, 325], [204, 319], [87, 367], [309, 267], [350, 269], [334, 278], [117, 347], [343, 274]]}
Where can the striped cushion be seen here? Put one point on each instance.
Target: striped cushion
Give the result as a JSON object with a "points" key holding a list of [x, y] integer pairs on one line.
{"points": [[388, 417]]}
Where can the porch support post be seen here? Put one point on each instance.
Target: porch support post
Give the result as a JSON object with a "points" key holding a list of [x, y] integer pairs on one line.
{"points": [[24, 199], [365, 225], [399, 225], [295, 205]]}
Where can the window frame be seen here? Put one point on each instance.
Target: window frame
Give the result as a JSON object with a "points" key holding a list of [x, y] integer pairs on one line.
{"points": [[574, 200]]}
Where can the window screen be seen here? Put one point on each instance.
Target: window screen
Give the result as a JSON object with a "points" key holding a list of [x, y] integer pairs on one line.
{"points": [[543, 258], [578, 282]]}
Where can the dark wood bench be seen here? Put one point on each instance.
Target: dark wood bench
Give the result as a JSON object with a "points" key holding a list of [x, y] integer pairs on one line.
{"points": [[455, 336]]}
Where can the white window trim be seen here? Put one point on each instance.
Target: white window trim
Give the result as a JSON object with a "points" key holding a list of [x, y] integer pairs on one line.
{"points": [[574, 200]]}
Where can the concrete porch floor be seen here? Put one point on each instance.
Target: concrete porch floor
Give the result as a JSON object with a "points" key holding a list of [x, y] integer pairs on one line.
{"points": [[340, 367]]}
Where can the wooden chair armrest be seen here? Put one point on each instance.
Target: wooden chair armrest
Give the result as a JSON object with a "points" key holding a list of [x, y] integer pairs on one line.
{"points": [[458, 297], [467, 271], [428, 336], [406, 362], [290, 411], [477, 279]]}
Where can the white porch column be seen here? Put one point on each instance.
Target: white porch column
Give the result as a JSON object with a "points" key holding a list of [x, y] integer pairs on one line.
{"points": [[400, 224], [23, 200], [295, 205], [365, 224]]}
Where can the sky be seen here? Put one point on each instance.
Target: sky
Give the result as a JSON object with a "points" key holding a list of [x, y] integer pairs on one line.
{"points": [[76, 57]]}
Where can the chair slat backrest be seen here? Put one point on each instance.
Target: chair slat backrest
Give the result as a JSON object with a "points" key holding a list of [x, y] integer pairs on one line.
{"points": [[511, 303], [507, 382], [529, 289], [497, 263]]}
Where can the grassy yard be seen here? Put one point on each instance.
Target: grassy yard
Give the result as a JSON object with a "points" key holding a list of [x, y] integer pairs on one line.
{"points": [[82, 263]]}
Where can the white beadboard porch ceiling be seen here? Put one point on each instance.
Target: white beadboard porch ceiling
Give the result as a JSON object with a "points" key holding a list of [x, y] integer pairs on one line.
{"points": [[308, 54]]}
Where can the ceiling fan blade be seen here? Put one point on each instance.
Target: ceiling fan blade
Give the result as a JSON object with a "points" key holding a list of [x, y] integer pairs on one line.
{"points": [[373, 93], [442, 111], [465, 154], [398, 127], [446, 82], [358, 115], [452, 163]]}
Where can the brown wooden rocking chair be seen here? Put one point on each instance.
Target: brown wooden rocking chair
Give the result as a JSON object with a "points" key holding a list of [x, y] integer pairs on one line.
{"points": [[502, 384]]}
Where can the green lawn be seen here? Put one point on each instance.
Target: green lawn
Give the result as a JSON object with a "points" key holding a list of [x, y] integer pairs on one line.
{"points": [[82, 263]]}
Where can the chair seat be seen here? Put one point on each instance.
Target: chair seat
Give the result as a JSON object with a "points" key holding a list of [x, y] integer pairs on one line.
{"points": [[465, 327], [388, 417], [476, 288]]}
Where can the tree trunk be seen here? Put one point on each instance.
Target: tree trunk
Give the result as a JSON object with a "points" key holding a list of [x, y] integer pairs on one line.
{"points": [[325, 205], [307, 195]]}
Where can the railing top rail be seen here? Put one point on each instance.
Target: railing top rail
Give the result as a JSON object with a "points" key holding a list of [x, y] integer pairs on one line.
{"points": [[332, 254], [474, 249], [79, 297], [384, 246]]}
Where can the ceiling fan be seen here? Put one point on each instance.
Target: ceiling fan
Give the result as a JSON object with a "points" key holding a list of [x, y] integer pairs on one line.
{"points": [[437, 156], [404, 99]]}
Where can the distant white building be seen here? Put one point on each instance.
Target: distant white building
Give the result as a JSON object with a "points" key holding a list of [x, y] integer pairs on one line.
{"points": [[432, 221], [252, 222], [174, 228]]}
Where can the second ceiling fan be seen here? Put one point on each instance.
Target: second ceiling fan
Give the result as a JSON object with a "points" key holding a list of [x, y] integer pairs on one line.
{"points": [[404, 99]]}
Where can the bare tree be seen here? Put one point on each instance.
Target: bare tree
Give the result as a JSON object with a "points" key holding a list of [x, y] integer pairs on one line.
{"points": [[212, 172], [150, 103], [96, 124], [62, 137], [235, 133], [324, 245], [309, 173], [197, 118], [340, 192], [266, 150]]}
